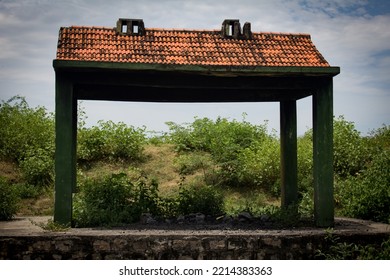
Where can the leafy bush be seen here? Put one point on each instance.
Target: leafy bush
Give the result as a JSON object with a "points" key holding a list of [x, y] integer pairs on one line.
{"points": [[377, 142], [204, 199], [90, 144], [27, 138], [112, 200], [110, 141], [24, 130], [260, 165], [222, 138], [38, 168], [103, 201], [305, 162], [337, 250], [350, 153], [8, 200], [168, 207], [367, 196], [115, 199], [25, 190]]}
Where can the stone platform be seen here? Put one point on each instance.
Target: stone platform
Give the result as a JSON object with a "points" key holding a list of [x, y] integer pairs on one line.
{"points": [[24, 238]]}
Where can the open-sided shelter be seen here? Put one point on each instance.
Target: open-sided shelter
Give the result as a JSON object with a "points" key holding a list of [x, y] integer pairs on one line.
{"points": [[132, 63]]}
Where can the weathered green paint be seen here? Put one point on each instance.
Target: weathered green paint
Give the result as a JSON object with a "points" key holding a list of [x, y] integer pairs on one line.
{"points": [[323, 154], [65, 154], [204, 70], [288, 151]]}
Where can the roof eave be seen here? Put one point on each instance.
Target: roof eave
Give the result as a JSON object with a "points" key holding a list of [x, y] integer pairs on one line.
{"points": [[217, 70]]}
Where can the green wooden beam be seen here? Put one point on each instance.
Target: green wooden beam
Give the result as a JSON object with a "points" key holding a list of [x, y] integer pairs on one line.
{"points": [[288, 150], [205, 69], [323, 155], [65, 154], [187, 95]]}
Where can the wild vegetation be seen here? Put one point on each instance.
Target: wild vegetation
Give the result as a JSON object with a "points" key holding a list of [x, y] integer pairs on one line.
{"points": [[208, 166]]}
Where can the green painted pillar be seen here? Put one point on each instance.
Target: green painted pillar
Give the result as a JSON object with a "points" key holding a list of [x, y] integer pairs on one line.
{"points": [[65, 153], [288, 151], [323, 154]]}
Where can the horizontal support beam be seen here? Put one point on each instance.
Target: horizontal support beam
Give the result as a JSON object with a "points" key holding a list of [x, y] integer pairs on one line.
{"points": [[147, 94], [204, 69], [187, 81]]}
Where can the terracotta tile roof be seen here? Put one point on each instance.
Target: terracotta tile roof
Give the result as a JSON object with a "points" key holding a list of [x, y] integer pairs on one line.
{"points": [[187, 47]]}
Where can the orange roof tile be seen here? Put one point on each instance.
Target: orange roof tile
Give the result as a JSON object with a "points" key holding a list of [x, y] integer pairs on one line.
{"points": [[187, 47]]}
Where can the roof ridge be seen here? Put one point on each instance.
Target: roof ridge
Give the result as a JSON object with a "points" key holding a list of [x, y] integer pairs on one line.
{"points": [[181, 29], [88, 27], [282, 33], [188, 30]]}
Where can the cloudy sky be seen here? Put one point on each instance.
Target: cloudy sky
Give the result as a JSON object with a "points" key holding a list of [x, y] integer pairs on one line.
{"points": [[352, 34]]}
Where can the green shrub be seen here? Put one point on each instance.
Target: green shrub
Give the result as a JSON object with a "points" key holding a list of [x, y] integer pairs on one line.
{"points": [[222, 138], [25, 190], [367, 196], [260, 165], [205, 199], [38, 168], [8, 200], [103, 201], [337, 250], [377, 142], [306, 204], [384, 251], [305, 162], [27, 138], [112, 141], [113, 200], [90, 144], [350, 153], [168, 207], [24, 129], [156, 138], [180, 135]]}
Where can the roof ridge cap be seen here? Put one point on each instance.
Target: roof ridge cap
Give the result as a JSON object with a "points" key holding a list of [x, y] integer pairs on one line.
{"points": [[281, 33], [181, 29], [88, 27], [190, 30]]}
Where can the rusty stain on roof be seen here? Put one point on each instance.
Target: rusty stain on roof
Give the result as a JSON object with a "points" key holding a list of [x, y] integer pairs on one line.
{"points": [[187, 47]]}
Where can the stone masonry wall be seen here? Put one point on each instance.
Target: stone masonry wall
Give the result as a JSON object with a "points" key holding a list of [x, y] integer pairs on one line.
{"points": [[167, 247]]}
